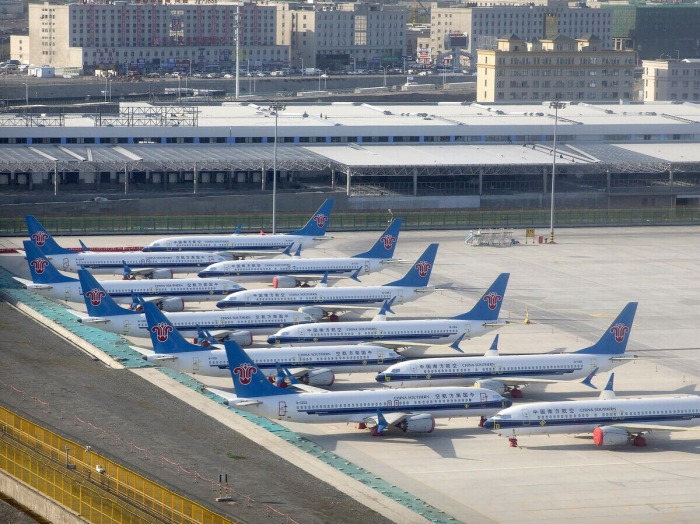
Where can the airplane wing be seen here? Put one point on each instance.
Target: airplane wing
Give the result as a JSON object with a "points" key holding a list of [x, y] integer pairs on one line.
{"points": [[636, 428], [31, 285], [391, 418], [248, 254], [292, 375], [231, 399], [144, 272], [142, 351], [396, 261]]}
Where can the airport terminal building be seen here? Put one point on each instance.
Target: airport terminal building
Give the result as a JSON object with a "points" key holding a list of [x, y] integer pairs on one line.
{"points": [[476, 154]]}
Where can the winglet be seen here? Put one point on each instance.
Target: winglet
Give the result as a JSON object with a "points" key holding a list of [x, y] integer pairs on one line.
{"points": [[83, 246], [136, 303], [587, 381], [281, 375], [382, 424], [493, 350], [356, 274], [297, 253], [204, 336], [288, 250], [324, 281], [126, 271], [608, 393], [238, 229], [455, 344]]}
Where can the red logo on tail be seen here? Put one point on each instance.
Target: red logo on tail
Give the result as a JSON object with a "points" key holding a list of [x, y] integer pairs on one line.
{"points": [[619, 330], [388, 241], [320, 222], [40, 238], [423, 267], [492, 299], [161, 330], [245, 373], [95, 296], [39, 264]]}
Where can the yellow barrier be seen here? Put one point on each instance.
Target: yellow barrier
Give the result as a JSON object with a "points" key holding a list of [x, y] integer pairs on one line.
{"points": [[68, 473]]}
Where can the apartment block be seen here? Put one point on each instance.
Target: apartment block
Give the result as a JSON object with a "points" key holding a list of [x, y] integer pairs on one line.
{"points": [[482, 25], [152, 35], [671, 80], [364, 35], [559, 67]]}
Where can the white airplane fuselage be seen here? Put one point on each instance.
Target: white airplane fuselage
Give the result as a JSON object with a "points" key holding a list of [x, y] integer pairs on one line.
{"points": [[331, 297], [339, 359], [577, 417], [233, 243], [188, 289], [259, 322], [113, 263], [313, 268], [436, 331], [466, 370], [357, 406]]}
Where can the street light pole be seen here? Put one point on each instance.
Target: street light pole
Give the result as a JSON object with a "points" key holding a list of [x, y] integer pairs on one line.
{"points": [[556, 105], [325, 79], [384, 68], [275, 107], [319, 79]]}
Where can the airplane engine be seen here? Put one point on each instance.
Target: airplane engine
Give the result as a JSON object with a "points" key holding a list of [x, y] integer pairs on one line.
{"points": [[318, 377], [315, 312], [243, 338], [494, 385], [605, 436], [422, 423], [171, 305], [284, 282], [162, 273]]}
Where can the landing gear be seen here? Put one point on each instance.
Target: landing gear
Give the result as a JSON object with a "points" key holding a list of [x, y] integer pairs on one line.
{"points": [[361, 425], [376, 433], [516, 393], [481, 421], [513, 442], [639, 441]]}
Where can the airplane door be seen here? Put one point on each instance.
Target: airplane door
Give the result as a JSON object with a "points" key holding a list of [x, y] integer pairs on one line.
{"points": [[66, 264], [483, 398], [499, 369], [195, 364], [224, 291], [211, 259], [379, 333], [380, 357], [126, 326], [295, 318], [157, 290], [367, 266], [67, 292], [467, 330], [302, 334], [399, 296], [526, 417], [594, 363], [282, 409], [414, 371]]}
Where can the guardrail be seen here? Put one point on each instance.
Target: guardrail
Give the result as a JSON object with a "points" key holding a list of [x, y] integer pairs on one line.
{"points": [[368, 221]]}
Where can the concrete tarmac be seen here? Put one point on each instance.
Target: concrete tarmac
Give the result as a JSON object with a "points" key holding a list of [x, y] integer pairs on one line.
{"points": [[573, 290]]}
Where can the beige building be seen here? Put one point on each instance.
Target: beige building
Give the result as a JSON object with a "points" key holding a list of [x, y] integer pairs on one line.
{"points": [[148, 36], [483, 25], [558, 67], [671, 80], [19, 48], [334, 36]]}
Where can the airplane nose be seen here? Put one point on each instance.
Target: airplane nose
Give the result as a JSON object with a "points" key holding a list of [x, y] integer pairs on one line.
{"points": [[489, 424], [380, 377], [271, 339], [223, 304], [508, 403], [203, 274]]}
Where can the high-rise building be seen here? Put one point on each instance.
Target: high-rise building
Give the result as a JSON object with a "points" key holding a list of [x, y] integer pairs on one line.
{"points": [[484, 24], [551, 68], [363, 35], [152, 35], [671, 80]]}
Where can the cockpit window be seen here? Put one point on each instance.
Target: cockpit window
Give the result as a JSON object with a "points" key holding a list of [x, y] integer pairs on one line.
{"points": [[396, 370]]}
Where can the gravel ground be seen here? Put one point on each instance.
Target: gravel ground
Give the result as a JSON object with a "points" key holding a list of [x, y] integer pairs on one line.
{"points": [[37, 361]]}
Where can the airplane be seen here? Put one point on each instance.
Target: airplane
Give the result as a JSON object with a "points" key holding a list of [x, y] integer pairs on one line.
{"points": [[507, 373], [315, 366], [482, 318], [168, 294], [411, 411], [104, 313], [240, 246], [611, 421], [328, 301], [296, 271], [159, 265]]}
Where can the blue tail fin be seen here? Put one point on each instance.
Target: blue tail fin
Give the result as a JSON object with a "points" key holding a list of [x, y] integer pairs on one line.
{"points": [[42, 239], [248, 380], [316, 226], [41, 268], [97, 301], [385, 246], [419, 274], [489, 305], [614, 340], [164, 336]]}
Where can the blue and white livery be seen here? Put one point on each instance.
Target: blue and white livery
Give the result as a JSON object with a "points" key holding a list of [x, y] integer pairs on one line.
{"points": [[314, 366], [412, 411], [293, 272], [610, 420], [507, 373], [240, 246], [105, 314], [168, 294], [157, 265], [482, 318], [326, 301]]}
